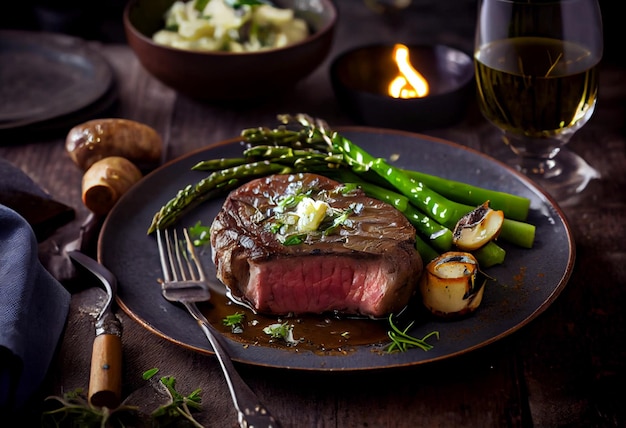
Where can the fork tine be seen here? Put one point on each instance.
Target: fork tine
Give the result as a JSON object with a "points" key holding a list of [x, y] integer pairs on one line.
{"points": [[175, 257], [183, 254], [194, 257], [179, 257], [165, 255]]}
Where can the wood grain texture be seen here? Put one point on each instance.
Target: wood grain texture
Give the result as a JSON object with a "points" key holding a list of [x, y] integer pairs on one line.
{"points": [[565, 369]]}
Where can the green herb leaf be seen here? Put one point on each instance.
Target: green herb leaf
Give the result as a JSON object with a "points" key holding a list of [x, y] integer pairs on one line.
{"points": [[282, 331], [340, 219], [233, 319], [200, 234], [199, 5], [148, 374], [294, 240], [238, 3], [235, 322], [291, 201], [179, 409], [275, 227]]}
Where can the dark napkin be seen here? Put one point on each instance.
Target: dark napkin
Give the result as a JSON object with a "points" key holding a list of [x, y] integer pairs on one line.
{"points": [[33, 311], [19, 192], [33, 304]]}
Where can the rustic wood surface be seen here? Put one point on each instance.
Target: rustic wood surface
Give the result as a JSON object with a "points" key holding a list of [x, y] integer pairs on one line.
{"points": [[564, 369]]}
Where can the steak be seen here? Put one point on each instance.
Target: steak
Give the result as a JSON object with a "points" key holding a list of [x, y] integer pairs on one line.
{"points": [[358, 257]]}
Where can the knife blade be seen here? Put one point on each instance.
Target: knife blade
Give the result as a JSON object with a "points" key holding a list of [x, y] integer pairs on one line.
{"points": [[105, 378]]}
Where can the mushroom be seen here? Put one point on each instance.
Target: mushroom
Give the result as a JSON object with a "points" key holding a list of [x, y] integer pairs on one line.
{"points": [[97, 139], [477, 227], [451, 285], [106, 181]]}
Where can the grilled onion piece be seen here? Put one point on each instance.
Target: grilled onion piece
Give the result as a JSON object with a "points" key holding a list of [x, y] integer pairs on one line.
{"points": [[477, 228], [451, 285]]}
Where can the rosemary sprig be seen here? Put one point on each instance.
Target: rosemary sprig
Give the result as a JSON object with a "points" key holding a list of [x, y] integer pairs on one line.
{"points": [[401, 341], [72, 410]]}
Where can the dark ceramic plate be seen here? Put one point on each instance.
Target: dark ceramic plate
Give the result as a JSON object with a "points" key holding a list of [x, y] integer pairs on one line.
{"points": [[528, 282], [46, 76]]}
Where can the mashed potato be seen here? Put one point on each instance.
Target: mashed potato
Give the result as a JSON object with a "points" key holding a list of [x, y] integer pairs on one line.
{"points": [[227, 25]]}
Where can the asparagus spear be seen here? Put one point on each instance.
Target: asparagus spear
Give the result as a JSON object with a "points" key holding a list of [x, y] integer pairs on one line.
{"points": [[432, 239], [313, 147], [281, 144], [438, 236], [514, 207], [427, 253], [205, 189], [437, 207]]}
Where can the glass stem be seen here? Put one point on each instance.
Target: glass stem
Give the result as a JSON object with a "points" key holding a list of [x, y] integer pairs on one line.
{"points": [[536, 156]]}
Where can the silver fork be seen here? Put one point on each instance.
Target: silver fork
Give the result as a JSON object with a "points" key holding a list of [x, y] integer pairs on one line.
{"points": [[184, 282]]}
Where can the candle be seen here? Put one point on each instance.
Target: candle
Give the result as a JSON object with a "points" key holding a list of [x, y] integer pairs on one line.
{"points": [[409, 83], [411, 87]]}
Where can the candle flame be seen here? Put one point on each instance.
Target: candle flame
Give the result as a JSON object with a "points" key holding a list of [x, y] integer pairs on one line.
{"points": [[409, 83]]}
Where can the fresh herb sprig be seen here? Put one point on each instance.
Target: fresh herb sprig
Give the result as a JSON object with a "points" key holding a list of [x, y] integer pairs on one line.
{"points": [[401, 341], [180, 407], [73, 410], [235, 322], [282, 331], [200, 234]]}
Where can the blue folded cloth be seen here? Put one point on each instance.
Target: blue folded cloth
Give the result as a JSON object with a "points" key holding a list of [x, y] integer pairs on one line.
{"points": [[33, 311]]}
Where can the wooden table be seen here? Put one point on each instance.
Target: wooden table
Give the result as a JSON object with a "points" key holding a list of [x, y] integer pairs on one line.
{"points": [[566, 368]]}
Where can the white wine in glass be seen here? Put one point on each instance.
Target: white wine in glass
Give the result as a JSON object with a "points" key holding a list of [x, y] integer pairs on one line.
{"points": [[537, 80]]}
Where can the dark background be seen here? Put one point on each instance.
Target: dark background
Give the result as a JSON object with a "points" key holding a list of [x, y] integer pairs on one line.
{"points": [[103, 20], [90, 20]]}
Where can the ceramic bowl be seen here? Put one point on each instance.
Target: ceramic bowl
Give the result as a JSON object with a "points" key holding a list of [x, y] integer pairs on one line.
{"points": [[361, 78], [229, 76]]}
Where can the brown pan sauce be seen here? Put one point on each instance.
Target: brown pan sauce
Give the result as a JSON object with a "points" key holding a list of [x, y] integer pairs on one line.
{"points": [[326, 334]]}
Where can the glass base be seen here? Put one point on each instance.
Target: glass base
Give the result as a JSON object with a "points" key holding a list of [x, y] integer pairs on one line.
{"points": [[563, 177]]}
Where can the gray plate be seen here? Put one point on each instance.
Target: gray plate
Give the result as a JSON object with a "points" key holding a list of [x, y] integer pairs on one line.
{"points": [[527, 283], [46, 75]]}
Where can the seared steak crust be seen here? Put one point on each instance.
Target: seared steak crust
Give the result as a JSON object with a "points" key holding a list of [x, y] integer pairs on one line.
{"points": [[368, 265]]}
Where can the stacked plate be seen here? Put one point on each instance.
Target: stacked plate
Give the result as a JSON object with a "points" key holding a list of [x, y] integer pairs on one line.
{"points": [[50, 81]]}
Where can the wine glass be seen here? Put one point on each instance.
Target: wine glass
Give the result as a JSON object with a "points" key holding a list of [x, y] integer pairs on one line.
{"points": [[537, 78]]}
